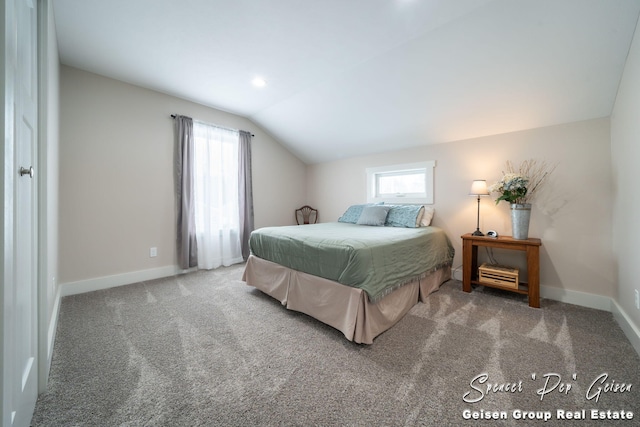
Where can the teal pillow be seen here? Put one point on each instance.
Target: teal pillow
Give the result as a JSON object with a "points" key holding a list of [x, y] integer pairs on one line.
{"points": [[404, 216], [373, 215], [352, 214]]}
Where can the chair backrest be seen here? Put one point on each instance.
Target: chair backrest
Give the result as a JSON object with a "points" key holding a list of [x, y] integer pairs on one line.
{"points": [[306, 215]]}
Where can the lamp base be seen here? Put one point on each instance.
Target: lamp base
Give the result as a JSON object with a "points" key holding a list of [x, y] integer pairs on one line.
{"points": [[477, 233]]}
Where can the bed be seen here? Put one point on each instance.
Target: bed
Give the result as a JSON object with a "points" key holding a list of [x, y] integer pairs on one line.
{"points": [[356, 278]]}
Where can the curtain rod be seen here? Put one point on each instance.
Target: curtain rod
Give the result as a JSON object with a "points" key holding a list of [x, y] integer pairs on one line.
{"points": [[173, 116]]}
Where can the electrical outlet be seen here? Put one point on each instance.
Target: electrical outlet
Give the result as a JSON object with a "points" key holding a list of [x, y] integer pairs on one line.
{"points": [[637, 299], [153, 252]]}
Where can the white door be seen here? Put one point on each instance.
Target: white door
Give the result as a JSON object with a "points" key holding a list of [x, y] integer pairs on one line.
{"points": [[20, 310]]}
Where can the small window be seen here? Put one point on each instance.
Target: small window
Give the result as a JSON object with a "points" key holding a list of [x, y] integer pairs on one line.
{"points": [[408, 183]]}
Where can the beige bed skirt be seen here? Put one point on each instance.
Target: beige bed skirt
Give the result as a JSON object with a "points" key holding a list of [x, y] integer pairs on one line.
{"points": [[342, 307]]}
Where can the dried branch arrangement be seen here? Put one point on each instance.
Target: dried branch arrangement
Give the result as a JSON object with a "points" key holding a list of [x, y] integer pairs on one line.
{"points": [[519, 185]]}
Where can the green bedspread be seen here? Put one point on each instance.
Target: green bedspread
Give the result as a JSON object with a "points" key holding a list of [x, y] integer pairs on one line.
{"points": [[374, 259]]}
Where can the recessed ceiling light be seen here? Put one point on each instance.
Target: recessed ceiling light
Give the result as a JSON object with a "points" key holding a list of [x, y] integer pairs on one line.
{"points": [[259, 82]]}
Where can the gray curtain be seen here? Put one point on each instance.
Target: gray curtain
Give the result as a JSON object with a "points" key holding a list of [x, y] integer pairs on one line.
{"points": [[245, 192], [186, 245]]}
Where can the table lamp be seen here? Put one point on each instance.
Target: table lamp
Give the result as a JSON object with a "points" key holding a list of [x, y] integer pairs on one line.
{"points": [[478, 188]]}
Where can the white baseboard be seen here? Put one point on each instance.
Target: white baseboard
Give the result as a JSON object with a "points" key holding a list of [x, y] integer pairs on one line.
{"points": [[583, 299], [598, 302], [626, 324], [106, 282], [52, 327]]}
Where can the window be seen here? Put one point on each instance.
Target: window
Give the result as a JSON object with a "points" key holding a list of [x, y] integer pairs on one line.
{"points": [[407, 183], [216, 195]]}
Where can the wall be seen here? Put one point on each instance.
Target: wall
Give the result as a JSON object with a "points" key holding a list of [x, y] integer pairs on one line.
{"points": [[117, 181], [625, 149], [572, 214], [48, 195]]}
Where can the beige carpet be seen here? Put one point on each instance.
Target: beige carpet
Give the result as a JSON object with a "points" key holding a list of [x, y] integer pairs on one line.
{"points": [[205, 350]]}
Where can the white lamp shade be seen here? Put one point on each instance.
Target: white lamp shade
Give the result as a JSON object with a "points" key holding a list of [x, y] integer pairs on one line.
{"points": [[479, 188]]}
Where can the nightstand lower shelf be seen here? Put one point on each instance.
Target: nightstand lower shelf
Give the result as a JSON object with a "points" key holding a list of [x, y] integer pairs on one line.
{"points": [[531, 247], [523, 288]]}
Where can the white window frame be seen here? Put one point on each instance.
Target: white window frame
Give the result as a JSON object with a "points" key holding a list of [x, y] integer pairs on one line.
{"points": [[373, 174]]}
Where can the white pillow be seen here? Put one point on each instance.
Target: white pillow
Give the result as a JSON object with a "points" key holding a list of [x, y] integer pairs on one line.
{"points": [[419, 217], [425, 221]]}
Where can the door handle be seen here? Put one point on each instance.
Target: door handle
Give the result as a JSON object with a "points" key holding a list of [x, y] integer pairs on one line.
{"points": [[29, 171]]}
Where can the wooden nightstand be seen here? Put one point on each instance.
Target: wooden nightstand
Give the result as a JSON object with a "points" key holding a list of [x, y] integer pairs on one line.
{"points": [[530, 246]]}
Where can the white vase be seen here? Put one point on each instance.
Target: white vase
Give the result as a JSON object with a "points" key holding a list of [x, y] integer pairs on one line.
{"points": [[520, 216]]}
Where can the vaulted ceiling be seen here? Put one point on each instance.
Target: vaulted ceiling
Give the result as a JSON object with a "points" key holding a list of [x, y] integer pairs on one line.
{"points": [[349, 77]]}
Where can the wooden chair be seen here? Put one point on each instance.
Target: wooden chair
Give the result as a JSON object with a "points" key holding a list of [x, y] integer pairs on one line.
{"points": [[306, 215]]}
